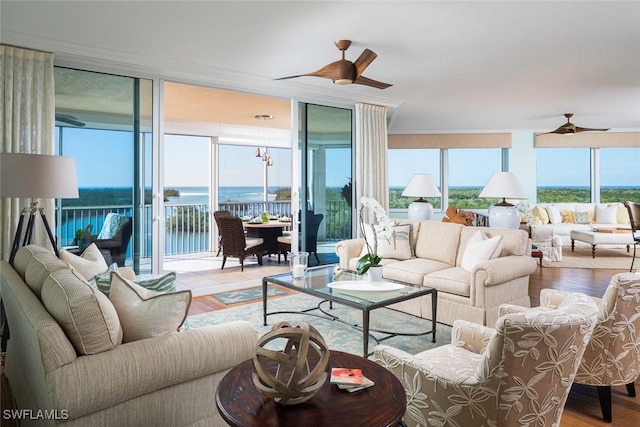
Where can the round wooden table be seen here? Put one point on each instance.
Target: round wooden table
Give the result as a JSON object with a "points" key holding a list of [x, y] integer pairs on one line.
{"points": [[383, 404]]}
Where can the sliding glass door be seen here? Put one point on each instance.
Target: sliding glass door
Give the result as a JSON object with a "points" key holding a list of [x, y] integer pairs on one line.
{"points": [[326, 141]]}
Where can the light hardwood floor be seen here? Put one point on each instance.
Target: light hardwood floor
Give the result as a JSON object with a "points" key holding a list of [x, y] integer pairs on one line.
{"points": [[583, 407]]}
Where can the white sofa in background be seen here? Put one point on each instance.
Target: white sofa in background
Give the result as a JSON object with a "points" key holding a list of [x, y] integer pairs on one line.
{"points": [[552, 223], [436, 256]]}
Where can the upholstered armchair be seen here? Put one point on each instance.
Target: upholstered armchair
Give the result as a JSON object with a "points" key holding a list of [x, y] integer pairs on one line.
{"points": [[519, 373], [612, 357]]}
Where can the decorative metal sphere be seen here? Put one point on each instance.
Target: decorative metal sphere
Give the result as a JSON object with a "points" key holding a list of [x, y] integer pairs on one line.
{"points": [[295, 373]]}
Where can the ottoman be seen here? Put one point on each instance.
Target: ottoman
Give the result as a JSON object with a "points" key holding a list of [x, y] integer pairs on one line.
{"points": [[597, 238]]}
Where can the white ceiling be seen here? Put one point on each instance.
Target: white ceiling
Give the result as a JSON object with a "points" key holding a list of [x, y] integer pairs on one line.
{"points": [[455, 66]]}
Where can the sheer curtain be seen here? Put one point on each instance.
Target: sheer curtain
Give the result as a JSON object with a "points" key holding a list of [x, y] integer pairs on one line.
{"points": [[27, 114], [371, 153]]}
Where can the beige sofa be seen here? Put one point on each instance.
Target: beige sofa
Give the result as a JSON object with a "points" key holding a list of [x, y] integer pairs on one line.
{"points": [[169, 379], [473, 293]]}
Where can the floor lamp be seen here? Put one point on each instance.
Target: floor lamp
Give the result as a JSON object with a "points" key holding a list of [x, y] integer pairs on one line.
{"points": [[36, 176]]}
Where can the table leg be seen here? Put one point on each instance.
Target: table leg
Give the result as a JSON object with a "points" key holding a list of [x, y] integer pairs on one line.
{"points": [[365, 333], [434, 309], [264, 302], [593, 251]]}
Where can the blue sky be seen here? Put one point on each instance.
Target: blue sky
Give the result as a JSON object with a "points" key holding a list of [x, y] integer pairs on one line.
{"points": [[104, 159]]}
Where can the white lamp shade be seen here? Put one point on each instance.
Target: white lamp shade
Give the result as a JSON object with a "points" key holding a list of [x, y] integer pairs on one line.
{"points": [[503, 185], [37, 176], [421, 185]]}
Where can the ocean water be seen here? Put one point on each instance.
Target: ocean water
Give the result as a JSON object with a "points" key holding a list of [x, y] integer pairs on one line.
{"points": [[225, 194]]}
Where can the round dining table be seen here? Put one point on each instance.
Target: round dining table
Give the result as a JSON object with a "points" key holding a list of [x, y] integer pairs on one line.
{"points": [[268, 231]]}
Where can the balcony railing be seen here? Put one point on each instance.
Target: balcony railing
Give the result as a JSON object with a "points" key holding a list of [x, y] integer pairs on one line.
{"points": [[187, 226]]}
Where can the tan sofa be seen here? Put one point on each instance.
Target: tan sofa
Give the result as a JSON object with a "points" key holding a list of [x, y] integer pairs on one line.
{"points": [[169, 379], [473, 294]]}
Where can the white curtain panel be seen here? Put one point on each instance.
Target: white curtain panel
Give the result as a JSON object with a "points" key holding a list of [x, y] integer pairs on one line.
{"points": [[371, 154], [27, 125]]}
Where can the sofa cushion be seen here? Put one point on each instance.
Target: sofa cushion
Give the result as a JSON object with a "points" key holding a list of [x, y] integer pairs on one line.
{"points": [[583, 217], [606, 214], [87, 316], [480, 248], [622, 217], [41, 263], [439, 241], [144, 313], [399, 246], [454, 280], [165, 283], [555, 217], [88, 264], [540, 215], [412, 270], [24, 256]]}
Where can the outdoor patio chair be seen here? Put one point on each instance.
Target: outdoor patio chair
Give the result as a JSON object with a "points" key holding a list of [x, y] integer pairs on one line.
{"points": [[234, 242], [634, 218], [519, 373], [114, 237]]}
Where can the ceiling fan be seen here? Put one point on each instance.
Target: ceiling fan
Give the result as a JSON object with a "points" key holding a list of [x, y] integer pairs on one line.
{"points": [[344, 72], [569, 128], [69, 119]]}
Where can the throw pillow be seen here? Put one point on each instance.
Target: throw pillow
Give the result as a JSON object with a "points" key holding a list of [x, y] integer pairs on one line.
{"points": [[144, 313], [90, 263], [164, 283], [568, 217], [399, 245], [622, 216], [540, 215], [583, 217], [555, 217], [480, 249], [85, 315], [606, 214]]}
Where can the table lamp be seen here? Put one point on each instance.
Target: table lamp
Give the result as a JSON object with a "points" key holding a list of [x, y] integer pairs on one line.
{"points": [[36, 176], [503, 185], [421, 185]]}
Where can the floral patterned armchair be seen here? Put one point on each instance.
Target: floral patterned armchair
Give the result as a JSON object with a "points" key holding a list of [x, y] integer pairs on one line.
{"points": [[612, 357], [519, 373]]}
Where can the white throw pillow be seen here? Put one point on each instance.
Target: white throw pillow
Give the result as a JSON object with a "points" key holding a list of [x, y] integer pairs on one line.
{"points": [[144, 313], [480, 249], [606, 214], [399, 245], [89, 264], [555, 216]]}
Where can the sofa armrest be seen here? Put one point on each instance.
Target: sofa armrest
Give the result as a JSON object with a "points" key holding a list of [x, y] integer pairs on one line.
{"points": [[511, 309], [470, 336], [504, 269], [347, 249], [95, 382]]}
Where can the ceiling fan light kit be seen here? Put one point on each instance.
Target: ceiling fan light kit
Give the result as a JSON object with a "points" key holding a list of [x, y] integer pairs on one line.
{"points": [[345, 72]]}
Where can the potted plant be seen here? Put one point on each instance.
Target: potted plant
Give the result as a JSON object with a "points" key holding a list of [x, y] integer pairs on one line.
{"points": [[370, 262], [83, 237]]}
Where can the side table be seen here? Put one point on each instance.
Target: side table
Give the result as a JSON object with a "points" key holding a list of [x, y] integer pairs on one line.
{"points": [[384, 404]]}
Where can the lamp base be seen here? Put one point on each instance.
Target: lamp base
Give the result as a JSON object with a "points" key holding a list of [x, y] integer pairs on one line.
{"points": [[420, 210], [504, 217]]}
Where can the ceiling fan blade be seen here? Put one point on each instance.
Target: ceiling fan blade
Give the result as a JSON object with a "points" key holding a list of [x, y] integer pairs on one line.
{"points": [[579, 129], [363, 61], [362, 80], [69, 119]]}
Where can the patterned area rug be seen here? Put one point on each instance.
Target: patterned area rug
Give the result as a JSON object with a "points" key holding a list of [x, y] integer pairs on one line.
{"points": [[338, 336], [606, 258], [247, 294]]}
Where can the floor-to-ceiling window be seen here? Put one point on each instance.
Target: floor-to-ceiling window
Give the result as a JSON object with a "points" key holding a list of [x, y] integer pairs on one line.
{"points": [[326, 177], [104, 122], [619, 174]]}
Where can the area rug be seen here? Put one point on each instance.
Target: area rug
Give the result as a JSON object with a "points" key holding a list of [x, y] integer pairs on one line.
{"points": [[247, 294], [606, 258], [338, 336]]}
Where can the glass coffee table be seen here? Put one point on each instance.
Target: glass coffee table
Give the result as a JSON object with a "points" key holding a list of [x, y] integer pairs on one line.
{"points": [[348, 288]]}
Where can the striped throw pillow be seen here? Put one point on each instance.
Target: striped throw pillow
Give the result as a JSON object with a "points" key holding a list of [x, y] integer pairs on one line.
{"points": [[164, 284]]}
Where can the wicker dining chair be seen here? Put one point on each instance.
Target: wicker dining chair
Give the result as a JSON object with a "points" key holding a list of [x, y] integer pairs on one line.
{"points": [[313, 224], [634, 218], [234, 242], [216, 215]]}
